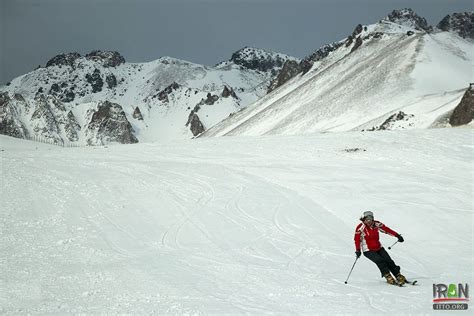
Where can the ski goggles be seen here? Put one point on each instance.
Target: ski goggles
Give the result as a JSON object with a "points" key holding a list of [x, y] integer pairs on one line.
{"points": [[369, 217]]}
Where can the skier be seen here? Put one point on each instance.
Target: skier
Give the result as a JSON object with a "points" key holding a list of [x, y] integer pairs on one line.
{"points": [[367, 238]]}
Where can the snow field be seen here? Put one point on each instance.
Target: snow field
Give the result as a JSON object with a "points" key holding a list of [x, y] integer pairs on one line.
{"points": [[233, 225]]}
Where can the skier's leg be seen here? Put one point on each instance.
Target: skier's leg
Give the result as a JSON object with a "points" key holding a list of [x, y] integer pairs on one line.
{"points": [[376, 258], [390, 263], [393, 267]]}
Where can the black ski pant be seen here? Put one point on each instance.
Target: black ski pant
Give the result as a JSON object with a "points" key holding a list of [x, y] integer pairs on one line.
{"points": [[383, 261]]}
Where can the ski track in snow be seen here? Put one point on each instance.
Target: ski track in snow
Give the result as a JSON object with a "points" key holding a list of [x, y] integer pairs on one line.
{"points": [[248, 225]]}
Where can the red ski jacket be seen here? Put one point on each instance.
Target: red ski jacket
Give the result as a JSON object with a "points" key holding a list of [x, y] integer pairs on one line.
{"points": [[367, 238]]}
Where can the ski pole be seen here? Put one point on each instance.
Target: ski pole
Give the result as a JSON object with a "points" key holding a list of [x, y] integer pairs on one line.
{"points": [[345, 282], [392, 245]]}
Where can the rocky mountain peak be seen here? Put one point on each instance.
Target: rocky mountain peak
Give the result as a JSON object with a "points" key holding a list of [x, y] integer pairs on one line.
{"points": [[259, 59], [107, 58], [67, 59], [408, 17], [460, 23]]}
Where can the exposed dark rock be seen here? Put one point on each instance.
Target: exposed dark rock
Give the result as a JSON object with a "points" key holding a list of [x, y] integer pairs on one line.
{"points": [[111, 81], [194, 122], [10, 126], [464, 112], [196, 126], [357, 44], [323, 51], [228, 92], [305, 65], [68, 96], [109, 124], [63, 60], [377, 35], [54, 88], [211, 99], [4, 98], [9, 123], [163, 94], [445, 23], [409, 18], [290, 69], [137, 114], [95, 80], [358, 29], [257, 59], [107, 58], [389, 122], [410, 33], [19, 97], [349, 40], [44, 120], [318, 55], [461, 23], [72, 127], [58, 104], [60, 92], [354, 150]]}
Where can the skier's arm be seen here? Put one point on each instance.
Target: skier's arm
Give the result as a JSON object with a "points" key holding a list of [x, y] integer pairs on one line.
{"points": [[357, 238], [386, 229]]}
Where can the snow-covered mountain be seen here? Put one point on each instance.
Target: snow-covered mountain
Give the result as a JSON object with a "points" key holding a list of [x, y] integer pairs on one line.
{"points": [[397, 73], [100, 98], [461, 23]]}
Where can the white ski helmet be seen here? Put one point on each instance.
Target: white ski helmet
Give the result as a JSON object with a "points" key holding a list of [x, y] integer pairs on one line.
{"points": [[368, 214]]}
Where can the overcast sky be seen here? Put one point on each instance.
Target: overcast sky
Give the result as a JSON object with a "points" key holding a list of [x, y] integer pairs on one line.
{"points": [[200, 31]]}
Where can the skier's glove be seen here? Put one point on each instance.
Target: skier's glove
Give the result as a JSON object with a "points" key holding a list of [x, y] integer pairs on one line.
{"points": [[400, 238], [357, 253]]}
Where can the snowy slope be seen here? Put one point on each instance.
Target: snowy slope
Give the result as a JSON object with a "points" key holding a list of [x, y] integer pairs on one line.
{"points": [[248, 225], [164, 92], [395, 68]]}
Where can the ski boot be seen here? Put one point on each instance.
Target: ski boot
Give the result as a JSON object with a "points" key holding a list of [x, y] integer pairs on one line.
{"points": [[401, 279], [390, 279]]}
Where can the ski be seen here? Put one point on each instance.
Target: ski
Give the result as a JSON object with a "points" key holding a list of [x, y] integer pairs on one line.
{"points": [[414, 282]]}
